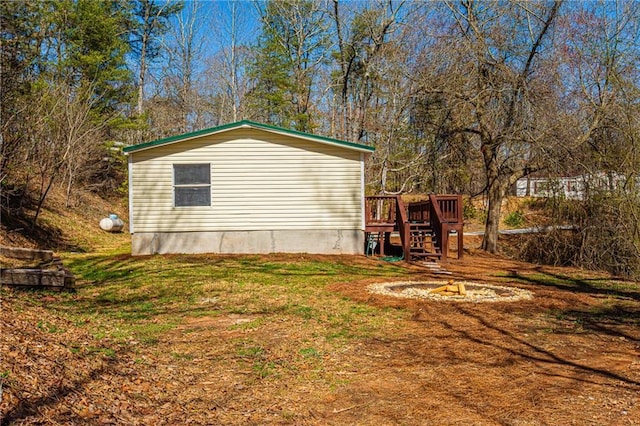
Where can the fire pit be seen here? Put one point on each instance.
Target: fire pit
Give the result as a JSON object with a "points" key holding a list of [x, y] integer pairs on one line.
{"points": [[454, 291]]}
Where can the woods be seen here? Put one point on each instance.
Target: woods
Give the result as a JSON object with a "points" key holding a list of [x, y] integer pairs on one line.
{"points": [[456, 96]]}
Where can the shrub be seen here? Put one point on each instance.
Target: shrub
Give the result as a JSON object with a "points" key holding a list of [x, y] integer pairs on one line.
{"points": [[606, 237], [469, 211], [514, 219]]}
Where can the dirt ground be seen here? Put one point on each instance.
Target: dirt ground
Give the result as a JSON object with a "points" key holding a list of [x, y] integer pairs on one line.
{"points": [[503, 363], [562, 358]]}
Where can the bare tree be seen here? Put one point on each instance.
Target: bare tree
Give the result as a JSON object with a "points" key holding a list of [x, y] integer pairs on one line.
{"points": [[601, 58], [62, 139], [228, 82], [360, 44], [178, 84], [489, 68]]}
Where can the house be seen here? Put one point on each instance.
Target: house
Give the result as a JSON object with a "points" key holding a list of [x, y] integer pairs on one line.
{"points": [[570, 187], [246, 187]]}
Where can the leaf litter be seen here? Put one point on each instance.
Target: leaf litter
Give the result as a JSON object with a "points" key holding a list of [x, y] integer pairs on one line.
{"points": [[555, 359]]}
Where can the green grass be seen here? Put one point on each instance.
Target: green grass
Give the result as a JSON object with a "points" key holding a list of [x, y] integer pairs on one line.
{"points": [[182, 356], [49, 327], [250, 325], [123, 297], [106, 352], [309, 352]]}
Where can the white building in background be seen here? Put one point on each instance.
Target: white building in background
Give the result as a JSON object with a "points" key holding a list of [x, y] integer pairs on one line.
{"points": [[567, 187], [570, 187]]}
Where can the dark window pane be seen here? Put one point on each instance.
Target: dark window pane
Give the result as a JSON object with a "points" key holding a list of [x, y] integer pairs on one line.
{"points": [[193, 196], [191, 174]]}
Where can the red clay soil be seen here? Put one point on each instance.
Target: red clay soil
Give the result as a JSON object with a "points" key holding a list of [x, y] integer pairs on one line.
{"points": [[501, 363], [558, 359]]}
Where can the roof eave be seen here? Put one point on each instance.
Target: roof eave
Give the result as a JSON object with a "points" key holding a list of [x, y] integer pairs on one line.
{"points": [[245, 124]]}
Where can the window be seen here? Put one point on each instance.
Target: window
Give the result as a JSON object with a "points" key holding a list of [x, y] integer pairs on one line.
{"points": [[541, 186], [192, 185]]}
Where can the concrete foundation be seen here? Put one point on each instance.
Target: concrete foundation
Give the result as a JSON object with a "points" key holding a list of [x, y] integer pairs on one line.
{"points": [[250, 242]]}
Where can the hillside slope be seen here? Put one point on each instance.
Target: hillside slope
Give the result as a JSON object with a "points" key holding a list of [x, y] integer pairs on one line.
{"points": [[61, 228]]}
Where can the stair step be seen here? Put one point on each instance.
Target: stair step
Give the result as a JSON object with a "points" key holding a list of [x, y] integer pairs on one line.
{"points": [[422, 242], [425, 254], [416, 249]]}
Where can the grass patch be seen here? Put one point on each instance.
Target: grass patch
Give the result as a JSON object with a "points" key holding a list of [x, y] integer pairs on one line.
{"points": [[49, 327], [309, 353], [122, 297], [250, 352], [250, 325], [514, 219], [105, 352], [305, 312], [182, 356], [276, 309]]}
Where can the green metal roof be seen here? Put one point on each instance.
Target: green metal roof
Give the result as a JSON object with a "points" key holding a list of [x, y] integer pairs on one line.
{"points": [[246, 124]]}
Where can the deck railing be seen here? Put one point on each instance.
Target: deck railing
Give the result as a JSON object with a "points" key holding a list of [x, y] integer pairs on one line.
{"points": [[451, 207], [387, 213], [381, 209], [446, 216], [420, 211], [403, 227]]}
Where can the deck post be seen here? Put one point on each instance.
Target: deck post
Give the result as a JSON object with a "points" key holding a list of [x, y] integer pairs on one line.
{"points": [[445, 242]]}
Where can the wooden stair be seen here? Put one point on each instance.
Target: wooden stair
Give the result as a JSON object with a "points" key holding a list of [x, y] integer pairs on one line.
{"points": [[423, 243]]}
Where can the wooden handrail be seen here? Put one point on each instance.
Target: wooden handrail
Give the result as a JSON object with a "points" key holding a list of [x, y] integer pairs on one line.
{"points": [[440, 227], [447, 216], [403, 227], [450, 207]]}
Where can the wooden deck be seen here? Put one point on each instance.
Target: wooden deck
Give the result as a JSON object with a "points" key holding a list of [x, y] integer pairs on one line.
{"points": [[424, 227]]}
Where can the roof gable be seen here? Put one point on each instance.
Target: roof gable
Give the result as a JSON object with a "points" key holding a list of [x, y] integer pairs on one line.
{"points": [[246, 124]]}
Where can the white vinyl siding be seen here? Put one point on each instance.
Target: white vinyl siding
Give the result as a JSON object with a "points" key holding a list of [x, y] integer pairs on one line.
{"points": [[259, 181]]}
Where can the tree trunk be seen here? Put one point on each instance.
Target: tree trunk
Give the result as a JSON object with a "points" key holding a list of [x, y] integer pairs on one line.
{"points": [[143, 69], [492, 224], [67, 203], [43, 195], [383, 178], [234, 61], [143, 60]]}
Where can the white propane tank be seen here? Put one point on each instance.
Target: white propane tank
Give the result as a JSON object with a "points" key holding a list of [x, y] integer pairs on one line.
{"points": [[112, 223]]}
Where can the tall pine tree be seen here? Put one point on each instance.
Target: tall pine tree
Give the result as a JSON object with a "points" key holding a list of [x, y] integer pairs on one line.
{"points": [[291, 50]]}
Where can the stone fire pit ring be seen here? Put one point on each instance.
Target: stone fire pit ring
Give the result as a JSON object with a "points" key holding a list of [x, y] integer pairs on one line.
{"points": [[475, 292]]}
